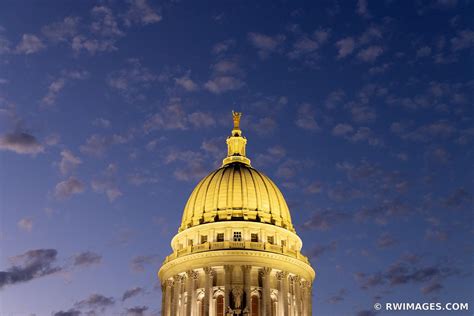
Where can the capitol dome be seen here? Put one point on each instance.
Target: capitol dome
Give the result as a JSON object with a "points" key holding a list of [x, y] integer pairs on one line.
{"points": [[236, 251], [234, 192]]}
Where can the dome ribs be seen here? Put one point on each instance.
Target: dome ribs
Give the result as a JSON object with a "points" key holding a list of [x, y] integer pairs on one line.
{"points": [[236, 192]]}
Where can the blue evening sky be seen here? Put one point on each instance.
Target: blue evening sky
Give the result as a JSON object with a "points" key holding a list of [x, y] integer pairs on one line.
{"points": [[111, 111]]}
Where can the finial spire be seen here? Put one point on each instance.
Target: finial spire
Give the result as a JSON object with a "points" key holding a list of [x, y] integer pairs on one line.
{"points": [[236, 143]]}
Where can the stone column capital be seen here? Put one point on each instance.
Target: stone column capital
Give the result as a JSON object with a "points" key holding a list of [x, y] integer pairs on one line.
{"points": [[246, 268], [228, 268], [281, 275], [169, 282]]}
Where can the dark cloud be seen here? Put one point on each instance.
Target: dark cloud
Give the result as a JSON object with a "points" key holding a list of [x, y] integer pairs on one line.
{"points": [[136, 311], [318, 250], [138, 263], [96, 301], [432, 288], [338, 297], [366, 313], [386, 240], [30, 265], [21, 143], [70, 312], [325, 219], [458, 198], [407, 271], [87, 258], [132, 292]]}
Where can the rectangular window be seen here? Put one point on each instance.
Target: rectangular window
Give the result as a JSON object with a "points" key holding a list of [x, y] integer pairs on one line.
{"points": [[283, 243], [254, 237], [220, 237], [203, 239], [237, 236], [190, 242], [270, 239]]}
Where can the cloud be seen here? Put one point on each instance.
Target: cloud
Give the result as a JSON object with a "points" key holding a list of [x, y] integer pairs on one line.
{"points": [[70, 312], [101, 122], [370, 54], [136, 311], [385, 240], [464, 39], [334, 99], [307, 44], [432, 288], [362, 8], [187, 83], [338, 297], [31, 265], [132, 292], [21, 143], [425, 133], [345, 47], [226, 76], [306, 118], [366, 313], [138, 263], [58, 84], [105, 23], [91, 45], [25, 224], [69, 187], [108, 187], [29, 44], [342, 129], [404, 271], [96, 301], [325, 219], [62, 31], [223, 84], [265, 44], [458, 198], [174, 117], [131, 80], [423, 52], [140, 12], [68, 162], [223, 46], [318, 250], [87, 258]]}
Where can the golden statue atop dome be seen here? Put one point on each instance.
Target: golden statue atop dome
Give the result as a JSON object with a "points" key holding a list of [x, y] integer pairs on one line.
{"points": [[236, 117]]}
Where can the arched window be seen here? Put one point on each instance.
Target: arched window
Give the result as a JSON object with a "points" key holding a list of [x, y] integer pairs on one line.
{"points": [[254, 302], [220, 305]]}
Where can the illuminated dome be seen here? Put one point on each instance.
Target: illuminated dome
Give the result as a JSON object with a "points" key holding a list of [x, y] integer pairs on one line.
{"points": [[236, 191], [236, 251]]}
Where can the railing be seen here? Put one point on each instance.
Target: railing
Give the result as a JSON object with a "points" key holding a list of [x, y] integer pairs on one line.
{"points": [[218, 245]]}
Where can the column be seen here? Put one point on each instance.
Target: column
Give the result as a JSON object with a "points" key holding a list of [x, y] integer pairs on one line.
{"points": [[227, 284], [297, 294], [310, 299], [283, 292], [248, 295], [176, 292], [194, 277], [167, 306], [266, 300], [305, 287], [209, 274], [182, 307], [189, 291]]}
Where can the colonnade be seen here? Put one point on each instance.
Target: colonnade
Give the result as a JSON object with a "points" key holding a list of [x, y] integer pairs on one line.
{"points": [[293, 294]]}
